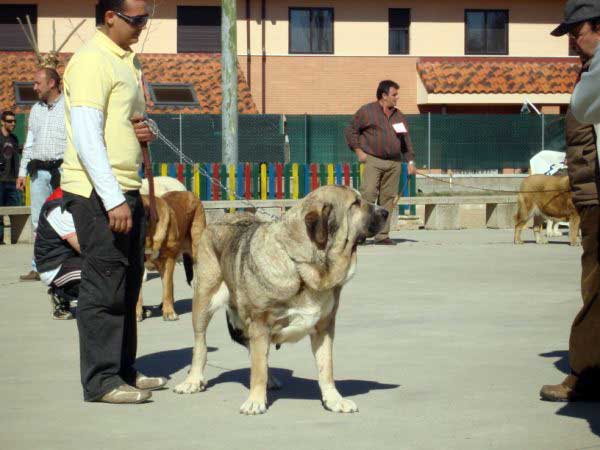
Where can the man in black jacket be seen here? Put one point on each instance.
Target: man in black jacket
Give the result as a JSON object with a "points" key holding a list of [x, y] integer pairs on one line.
{"points": [[9, 164]]}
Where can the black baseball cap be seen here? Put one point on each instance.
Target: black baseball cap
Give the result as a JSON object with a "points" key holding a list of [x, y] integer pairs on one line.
{"points": [[577, 11]]}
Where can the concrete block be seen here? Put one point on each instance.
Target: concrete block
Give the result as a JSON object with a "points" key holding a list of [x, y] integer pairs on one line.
{"points": [[500, 215], [442, 217], [21, 230], [394, 218], [214, 215]]}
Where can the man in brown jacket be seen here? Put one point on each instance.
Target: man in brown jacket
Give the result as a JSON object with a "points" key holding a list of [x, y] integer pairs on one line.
{"points": [[378, 134], [582, 160]]}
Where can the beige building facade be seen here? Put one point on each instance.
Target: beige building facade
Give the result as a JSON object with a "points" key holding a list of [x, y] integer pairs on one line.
{"points": [[337, 82]]}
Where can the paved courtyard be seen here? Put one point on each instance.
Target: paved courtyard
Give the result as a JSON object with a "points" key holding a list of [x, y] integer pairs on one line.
{"points": [[443, 342]]}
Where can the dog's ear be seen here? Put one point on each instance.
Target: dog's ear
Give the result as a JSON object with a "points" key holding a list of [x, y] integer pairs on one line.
{"points": [[317, 227]]}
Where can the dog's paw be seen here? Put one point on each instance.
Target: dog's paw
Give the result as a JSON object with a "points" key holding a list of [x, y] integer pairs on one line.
{"points": [[339, 404], [139, 317], [253, 407], [273, 384], [190, 387], [170, 316]]}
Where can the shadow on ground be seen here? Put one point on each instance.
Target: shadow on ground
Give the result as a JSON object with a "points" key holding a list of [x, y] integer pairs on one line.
{"points": [[181, 307], [300, 388], [589, 411], [371, 242], [562, 363], [165, 364]]}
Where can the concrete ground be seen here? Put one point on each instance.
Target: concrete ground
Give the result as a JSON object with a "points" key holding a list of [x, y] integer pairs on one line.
{"points": [[443, 342]]}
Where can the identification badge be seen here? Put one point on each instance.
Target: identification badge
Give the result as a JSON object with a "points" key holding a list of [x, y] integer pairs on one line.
{"points": [[399, 128]]}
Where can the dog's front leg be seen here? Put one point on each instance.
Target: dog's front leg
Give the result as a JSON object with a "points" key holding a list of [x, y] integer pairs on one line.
{"points": [[322, 346], [574, 222], [168, 302], [259, 370], [139, 307]]}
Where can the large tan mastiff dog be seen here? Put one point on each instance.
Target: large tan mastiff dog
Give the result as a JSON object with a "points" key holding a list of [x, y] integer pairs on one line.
{"points": [[280, 282]]}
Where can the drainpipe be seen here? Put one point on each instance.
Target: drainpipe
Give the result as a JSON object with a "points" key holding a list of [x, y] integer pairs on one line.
{"points": [[263, 15], [248, 47]]}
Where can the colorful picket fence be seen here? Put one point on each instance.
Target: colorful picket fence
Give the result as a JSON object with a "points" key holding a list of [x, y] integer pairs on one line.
{"points": [[268, 181]]}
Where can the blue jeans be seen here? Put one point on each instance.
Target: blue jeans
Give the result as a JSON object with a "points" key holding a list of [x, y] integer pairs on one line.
{"points": [[8, 197], [40, 191]]}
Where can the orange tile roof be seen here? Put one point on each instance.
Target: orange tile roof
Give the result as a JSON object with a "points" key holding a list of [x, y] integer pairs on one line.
{"points": [[201, 70], [467, 75]]}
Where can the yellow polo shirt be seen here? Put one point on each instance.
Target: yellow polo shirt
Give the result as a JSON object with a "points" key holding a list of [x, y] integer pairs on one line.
{"points": [[102, 75]]}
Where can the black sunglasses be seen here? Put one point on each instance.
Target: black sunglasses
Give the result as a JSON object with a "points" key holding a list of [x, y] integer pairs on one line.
{"points": [[136, 21], [9, 121]]}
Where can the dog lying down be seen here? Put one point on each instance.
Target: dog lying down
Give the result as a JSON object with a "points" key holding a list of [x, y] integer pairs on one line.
{"points": [[280, 281]]}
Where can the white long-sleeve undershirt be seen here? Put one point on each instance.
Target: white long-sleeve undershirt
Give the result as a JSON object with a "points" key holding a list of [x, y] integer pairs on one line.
{"points": [[87, 125]]}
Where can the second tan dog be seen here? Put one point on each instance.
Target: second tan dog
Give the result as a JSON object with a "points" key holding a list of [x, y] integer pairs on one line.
{"points": [[545, 197], [181, 221]]}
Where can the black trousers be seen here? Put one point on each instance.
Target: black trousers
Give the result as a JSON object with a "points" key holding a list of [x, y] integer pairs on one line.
{"points": [[111, 277]]}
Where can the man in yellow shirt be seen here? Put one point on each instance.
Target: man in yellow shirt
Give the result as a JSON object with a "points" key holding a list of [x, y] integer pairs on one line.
{"points": [[103, 100]]}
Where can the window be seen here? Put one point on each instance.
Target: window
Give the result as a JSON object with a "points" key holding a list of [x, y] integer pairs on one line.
{"points": [[24, 93], [12, 37], [173, 94], [198, 29], [486, 32], [399, 22], [311, 30]]}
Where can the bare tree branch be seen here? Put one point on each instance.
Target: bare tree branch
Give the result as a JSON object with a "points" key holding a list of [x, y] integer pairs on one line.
{"points": [[77, 34], [70, 34], [149, 25], [30, 39]]}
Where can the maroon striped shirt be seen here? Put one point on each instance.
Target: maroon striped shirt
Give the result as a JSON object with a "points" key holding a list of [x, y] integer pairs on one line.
{"points": [[372, 131]]}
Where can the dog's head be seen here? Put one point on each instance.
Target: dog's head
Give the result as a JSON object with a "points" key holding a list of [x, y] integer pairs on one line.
{"points": [[340, 211]]}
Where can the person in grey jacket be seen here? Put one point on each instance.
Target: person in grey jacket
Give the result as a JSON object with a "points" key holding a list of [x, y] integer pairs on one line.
{"points": [[582, 22]]}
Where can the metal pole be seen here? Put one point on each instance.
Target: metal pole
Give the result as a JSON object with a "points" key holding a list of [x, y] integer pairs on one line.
{"points": [[305, 139], [543, 131], [229, 109], [180, 141], [429, 141]]}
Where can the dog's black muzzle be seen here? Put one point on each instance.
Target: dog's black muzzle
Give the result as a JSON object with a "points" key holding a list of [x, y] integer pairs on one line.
{"points": [[377, 218]]}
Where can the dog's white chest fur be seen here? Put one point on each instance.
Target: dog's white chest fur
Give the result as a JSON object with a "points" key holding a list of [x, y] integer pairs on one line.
{"points": [[300, 318]]}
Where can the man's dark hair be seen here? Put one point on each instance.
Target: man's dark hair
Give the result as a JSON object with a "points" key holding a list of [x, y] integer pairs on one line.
{"points": [[52, 74], [109, 5], [6, 114], [384, 88]]}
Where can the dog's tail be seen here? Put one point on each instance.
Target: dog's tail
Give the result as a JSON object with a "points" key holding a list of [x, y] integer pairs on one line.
{"points": [[197, 226], [236, 333], [188, 265]]}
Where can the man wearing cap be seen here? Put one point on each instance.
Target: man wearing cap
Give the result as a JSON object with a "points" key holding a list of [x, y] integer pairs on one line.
{"points": [[582, 23]]}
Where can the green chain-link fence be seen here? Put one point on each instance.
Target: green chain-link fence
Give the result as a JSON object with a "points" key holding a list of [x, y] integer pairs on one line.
{"points": [[471, 143]]}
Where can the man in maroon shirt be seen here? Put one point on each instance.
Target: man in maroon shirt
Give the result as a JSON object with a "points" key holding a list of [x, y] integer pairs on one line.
{"points": [[378, 134]]}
